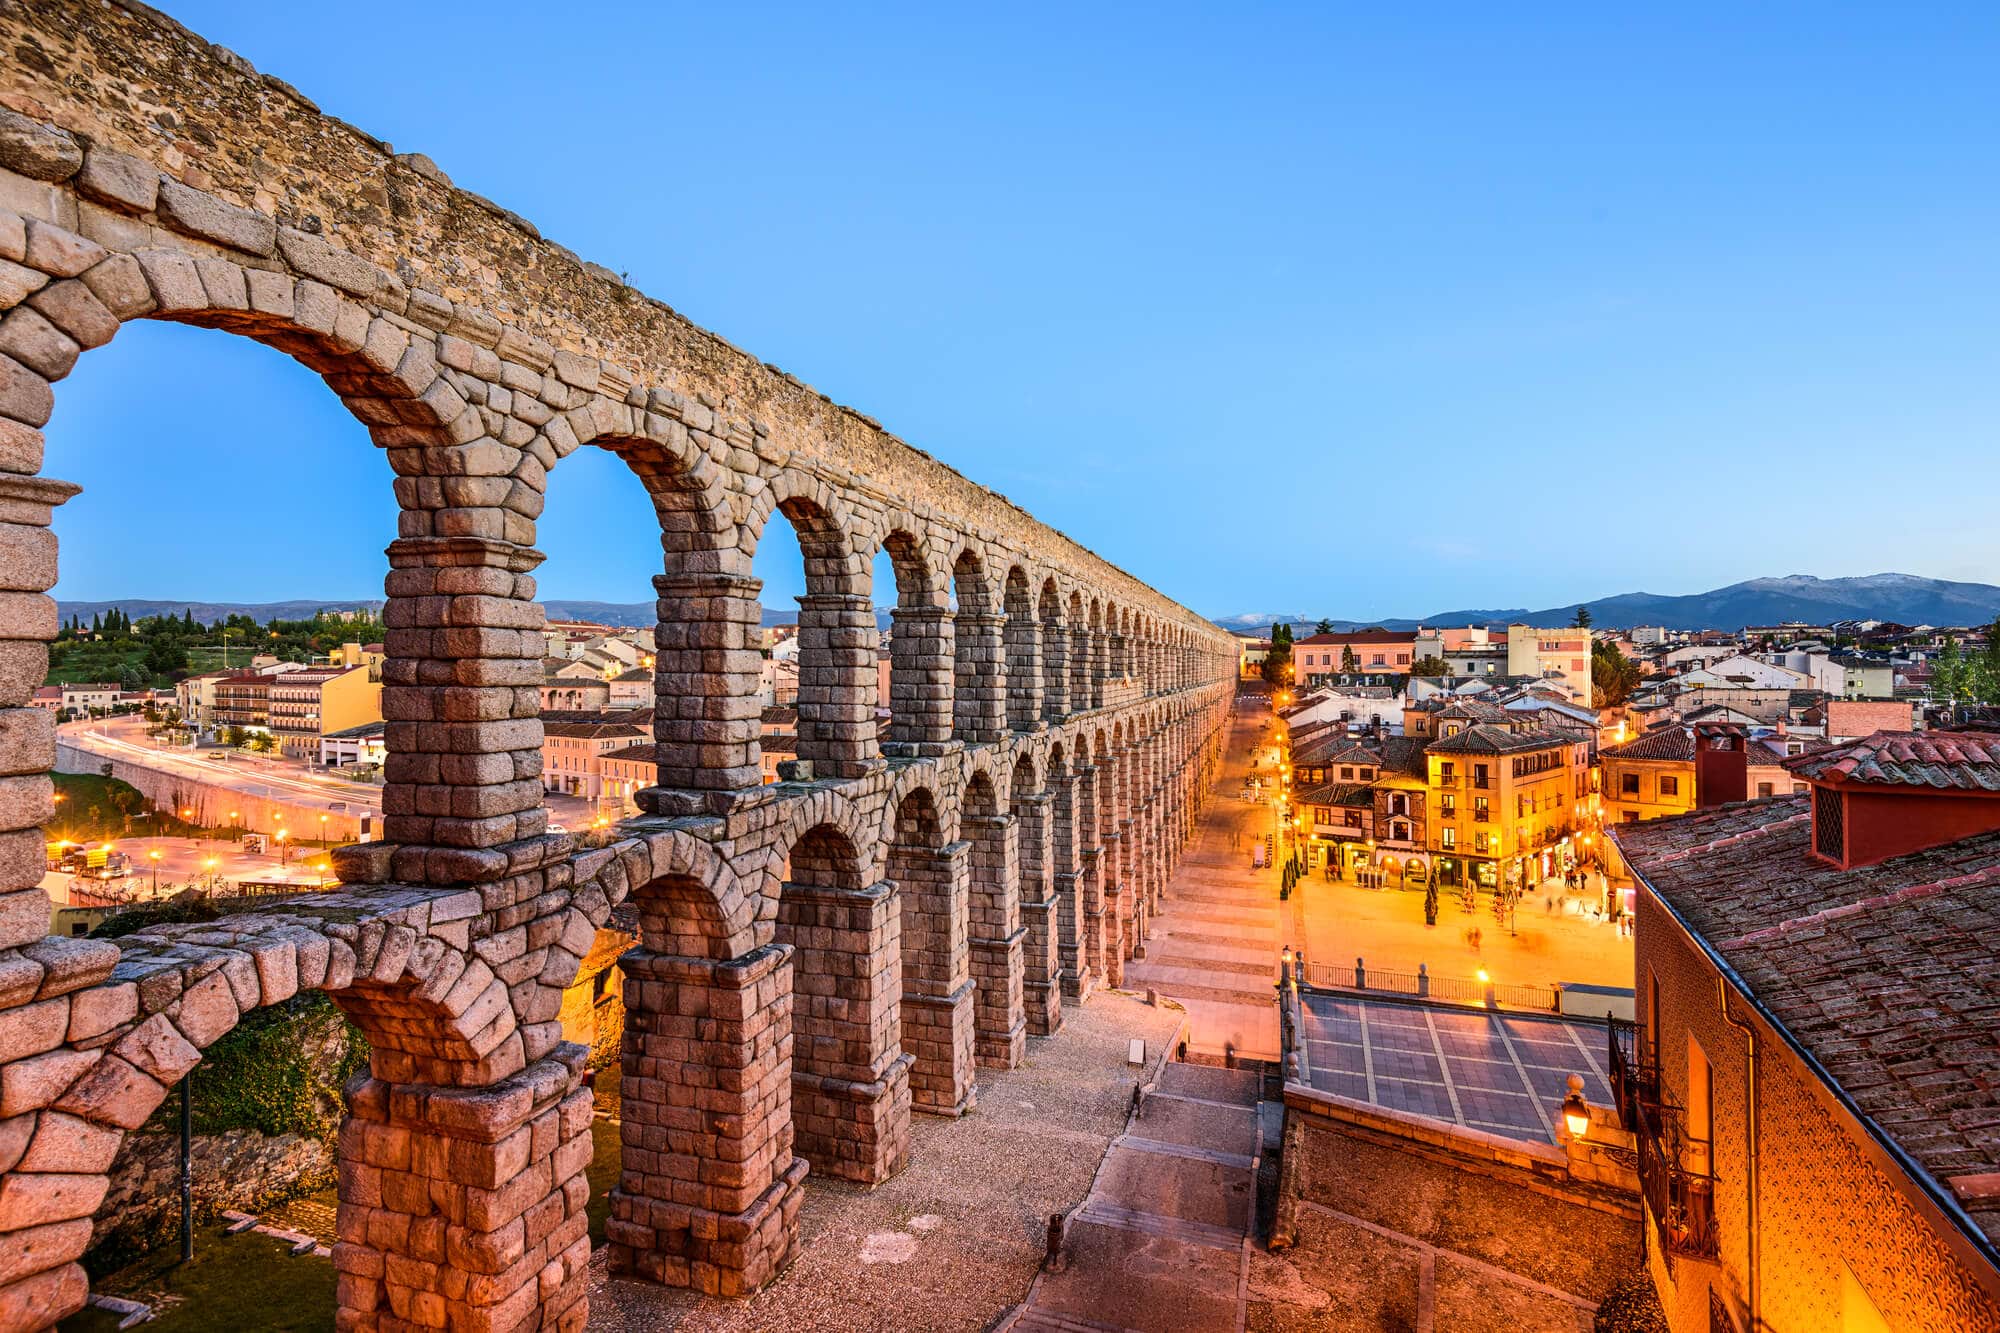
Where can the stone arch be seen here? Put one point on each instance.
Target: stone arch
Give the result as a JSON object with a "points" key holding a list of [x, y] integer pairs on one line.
{"points": [[1055, 651], [837, 673], [921, 654], [1023, 637], [850, 1076], [979, 667], [929, 872], [1081, 651]]}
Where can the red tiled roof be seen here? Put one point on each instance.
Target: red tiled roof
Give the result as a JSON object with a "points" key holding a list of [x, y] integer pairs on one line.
{"points": [[1361, 636], [1484, 738], [1668, 743], [1883, 973], [1963, 760]]}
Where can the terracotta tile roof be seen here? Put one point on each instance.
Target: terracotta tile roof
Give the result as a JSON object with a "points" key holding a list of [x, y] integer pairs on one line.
{"points": [[1336, 793], [1883, 973], [1667, 743], [1965, 760], [643, 754], [1332, 749], [1362, 636], [1484, 738], [589, 731], [1474, 710], [1404, 754]]}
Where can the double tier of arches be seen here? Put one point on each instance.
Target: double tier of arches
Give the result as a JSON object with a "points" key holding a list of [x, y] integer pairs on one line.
{"points": [[817, 958]]}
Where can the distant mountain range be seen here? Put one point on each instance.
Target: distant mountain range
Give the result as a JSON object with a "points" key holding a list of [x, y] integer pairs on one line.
{"points": [[621, 614], [1906, 598]]}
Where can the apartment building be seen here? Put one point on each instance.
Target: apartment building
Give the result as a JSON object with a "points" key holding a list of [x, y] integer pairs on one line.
{"points": [[1810, 1082], [303, 706], [1560, 656], [1357, 652], [1502, 801]]}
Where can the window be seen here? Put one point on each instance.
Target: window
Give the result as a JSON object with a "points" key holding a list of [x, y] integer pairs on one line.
{"points": [[1479, 841], [1479, 775], [1763, 789], [1367, 773], [1628, 784], [1448, 839], [1479, 811], [1631, 816], [1445, 769], [1700, 1107], [1449, 808], [1670, 786], [1347, 772], [1352, 819], [1399, 804], [1798, 788]]}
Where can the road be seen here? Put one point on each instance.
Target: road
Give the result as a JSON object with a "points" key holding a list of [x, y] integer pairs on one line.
{"points": [[285, 780], [125, 738], [1215, 948]]}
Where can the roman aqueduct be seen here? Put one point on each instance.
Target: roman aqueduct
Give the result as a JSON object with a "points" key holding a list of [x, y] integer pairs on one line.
{"points": [[818, 958]]}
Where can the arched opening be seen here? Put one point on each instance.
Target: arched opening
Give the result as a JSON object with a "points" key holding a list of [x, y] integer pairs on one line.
{"points": [[932, 885], [979, 654], [1081, 653], [1024, 654], [705, 1132], [1041, 989], [997, 936], [599, 660], [850, 1076], [832, 647], [1067, 842], [914, 673], [1055, 654]]}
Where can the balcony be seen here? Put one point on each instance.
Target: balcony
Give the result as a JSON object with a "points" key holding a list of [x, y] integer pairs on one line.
{"points": [[1676, 1170]]}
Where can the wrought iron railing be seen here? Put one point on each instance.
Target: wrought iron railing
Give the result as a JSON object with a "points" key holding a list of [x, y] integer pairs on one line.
{"points": [[1676, 1170]]}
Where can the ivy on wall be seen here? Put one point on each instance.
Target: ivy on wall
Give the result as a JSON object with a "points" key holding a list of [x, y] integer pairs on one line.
{"points": [[279, 1071]]}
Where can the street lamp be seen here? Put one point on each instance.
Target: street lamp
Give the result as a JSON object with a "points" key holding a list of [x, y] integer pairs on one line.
{"points": [[154, 857], [1576, 1111], [209, 865], [284, 852]]}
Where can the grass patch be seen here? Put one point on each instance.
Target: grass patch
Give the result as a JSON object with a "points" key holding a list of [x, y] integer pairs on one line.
{"points": [[90, 808], [233, 1282]]}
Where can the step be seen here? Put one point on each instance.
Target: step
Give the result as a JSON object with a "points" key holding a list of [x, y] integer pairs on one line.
{"points": [[1204, 1234], [1242, 1087]]}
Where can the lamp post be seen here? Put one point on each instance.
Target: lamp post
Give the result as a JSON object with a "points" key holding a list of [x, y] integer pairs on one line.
{"points": [[1576, 1111], [209, 865], [154, 857], [284, 852]]}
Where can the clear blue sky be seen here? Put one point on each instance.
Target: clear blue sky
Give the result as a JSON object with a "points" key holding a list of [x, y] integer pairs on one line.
{"points": [[1362, 310]]}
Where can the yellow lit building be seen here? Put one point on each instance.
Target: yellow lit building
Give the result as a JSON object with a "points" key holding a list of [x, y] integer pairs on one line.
{"points": [[1649, 778], [1505, 804], [319, 701]]}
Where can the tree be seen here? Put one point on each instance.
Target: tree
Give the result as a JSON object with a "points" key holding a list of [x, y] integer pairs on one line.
{"points": [[1582, 620], [1613, 676], [1428, 666], [1278, 661], [1951, 674], [1349, 663], [131, 678], [1324, 627], [165, 655]]}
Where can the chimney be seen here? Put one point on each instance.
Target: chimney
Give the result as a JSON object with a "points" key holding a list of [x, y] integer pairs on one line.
{"points": [[1721, 763], [1896, 792]]}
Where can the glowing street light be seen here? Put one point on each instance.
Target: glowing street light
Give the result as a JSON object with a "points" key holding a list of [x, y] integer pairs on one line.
{"points": [[1576, 1111], [154, 857]]}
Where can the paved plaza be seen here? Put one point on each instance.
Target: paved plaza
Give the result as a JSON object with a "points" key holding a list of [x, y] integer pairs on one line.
{"points": [[1500, 1072]]}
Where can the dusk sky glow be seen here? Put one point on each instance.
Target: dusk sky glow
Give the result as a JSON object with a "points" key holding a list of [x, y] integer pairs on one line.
{"points": [[1326, 309]]}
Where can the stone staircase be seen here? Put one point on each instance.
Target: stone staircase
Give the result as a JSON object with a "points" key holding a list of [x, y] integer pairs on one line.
{"points": [[1162, 1240]]}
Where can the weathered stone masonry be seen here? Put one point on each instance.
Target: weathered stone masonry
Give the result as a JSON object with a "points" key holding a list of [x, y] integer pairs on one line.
{"points": [[815, 958]]}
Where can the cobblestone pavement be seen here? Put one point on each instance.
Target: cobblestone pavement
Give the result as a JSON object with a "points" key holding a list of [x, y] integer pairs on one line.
{"points": [[1497, 1072], [956, 1238], [1215, 949]]}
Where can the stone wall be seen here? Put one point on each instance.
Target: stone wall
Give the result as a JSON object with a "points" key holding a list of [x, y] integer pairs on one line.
{"points": [[240, 1169]]}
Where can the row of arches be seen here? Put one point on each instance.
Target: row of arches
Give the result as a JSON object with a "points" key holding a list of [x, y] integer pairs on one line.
{"points": [[815, 961], [926, 926]]}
